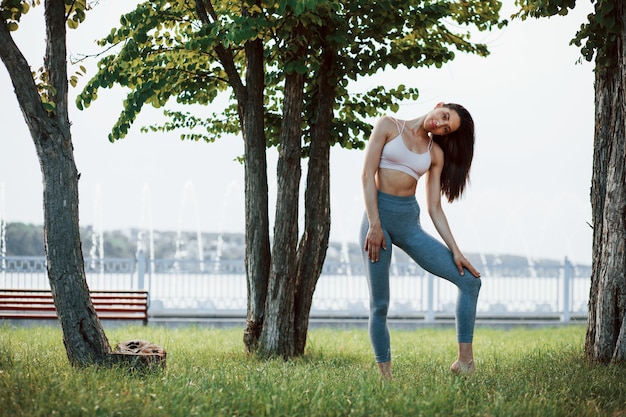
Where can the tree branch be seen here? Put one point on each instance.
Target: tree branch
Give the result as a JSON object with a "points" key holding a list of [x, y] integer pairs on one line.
{"points": [[20, 74], [224, 55], [55, 61]]}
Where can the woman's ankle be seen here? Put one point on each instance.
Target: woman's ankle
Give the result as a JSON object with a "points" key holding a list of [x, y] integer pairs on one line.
{"points": [[466, 353], [384, 368], [462, 367]]}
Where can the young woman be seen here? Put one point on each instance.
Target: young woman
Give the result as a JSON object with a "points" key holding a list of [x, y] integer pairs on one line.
{"points": [[441, 145]]}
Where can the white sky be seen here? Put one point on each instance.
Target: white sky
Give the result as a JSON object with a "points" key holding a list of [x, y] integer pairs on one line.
{"points": [[531, 176]]}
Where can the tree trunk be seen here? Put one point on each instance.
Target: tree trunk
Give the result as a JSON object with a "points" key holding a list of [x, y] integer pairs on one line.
{"points": [[258, 255], [314, 242], [606, 327], [277, 336], [250, 107], [83, 336]]}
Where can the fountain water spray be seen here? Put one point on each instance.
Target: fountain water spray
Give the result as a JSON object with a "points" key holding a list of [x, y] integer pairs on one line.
{"points": [[189, 194], [485, 271], [97, 235], [233, 188], [345, 257], [350, 212], [529, 258], [145, 217], [3, 230], [145, 224]]}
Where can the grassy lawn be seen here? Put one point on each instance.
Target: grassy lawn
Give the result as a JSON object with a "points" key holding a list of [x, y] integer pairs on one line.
{"points": [[520, 372]]}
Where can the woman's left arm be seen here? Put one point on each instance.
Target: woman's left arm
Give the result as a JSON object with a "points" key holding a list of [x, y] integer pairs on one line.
{"points": [[433, 200]]}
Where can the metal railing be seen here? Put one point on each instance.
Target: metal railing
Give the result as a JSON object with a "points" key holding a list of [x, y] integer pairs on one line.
{"points": [[201, 289]]}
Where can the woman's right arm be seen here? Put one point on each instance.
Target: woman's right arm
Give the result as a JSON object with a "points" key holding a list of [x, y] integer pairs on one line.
{"points": [[375, 238]]}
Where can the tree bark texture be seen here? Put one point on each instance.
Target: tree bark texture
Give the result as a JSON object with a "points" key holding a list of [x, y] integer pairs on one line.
{"points": [[606, 327], [277, 336], [314, 242], [251, 114], [83, 336], [281, 282], [257, 253]]}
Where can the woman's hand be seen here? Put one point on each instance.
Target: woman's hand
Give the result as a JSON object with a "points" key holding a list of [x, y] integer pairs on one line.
{"points": [[461, 261], [374, 240]]}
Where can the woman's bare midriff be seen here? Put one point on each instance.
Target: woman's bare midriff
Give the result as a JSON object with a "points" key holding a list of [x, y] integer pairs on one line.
{"points": [[393, 182]]}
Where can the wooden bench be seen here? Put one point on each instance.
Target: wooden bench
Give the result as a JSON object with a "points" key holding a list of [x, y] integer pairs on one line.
{"points": [[39, 304]]}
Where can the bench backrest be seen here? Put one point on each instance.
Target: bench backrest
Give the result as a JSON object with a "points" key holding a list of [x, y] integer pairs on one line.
{"points": [[39, 304]]}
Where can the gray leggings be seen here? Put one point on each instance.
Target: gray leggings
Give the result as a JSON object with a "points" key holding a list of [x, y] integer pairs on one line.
{"points": [[399, 217]]}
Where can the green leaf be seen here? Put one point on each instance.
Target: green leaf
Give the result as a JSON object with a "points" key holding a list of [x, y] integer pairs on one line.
{"points": [[160, 53], [48, 106]]}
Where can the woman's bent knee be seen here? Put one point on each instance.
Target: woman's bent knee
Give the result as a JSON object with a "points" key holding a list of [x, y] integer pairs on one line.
{"points": [[379, 309], [472, 284]]}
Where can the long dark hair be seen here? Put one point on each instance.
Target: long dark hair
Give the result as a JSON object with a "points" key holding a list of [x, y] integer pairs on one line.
{"points": [[458, 150]]}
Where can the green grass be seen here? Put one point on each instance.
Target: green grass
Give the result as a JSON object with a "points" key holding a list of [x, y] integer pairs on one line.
{"points": [[520, 372]]}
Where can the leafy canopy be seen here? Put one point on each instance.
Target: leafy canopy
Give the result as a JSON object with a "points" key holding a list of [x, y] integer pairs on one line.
{"points": [[13, 10], [597, 37], [164, 52]]}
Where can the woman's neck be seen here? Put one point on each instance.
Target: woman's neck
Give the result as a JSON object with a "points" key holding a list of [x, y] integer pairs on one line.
{"points": [[416, 126]]}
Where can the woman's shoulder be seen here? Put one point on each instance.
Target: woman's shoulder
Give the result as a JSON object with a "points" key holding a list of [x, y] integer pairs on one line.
{"points": [[436, 153], [388, 120], [386, 127]]}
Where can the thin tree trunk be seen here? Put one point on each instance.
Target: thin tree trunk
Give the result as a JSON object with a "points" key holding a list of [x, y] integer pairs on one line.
{"points": [[606, 327], [314, 242], [258, 256], [251, 114], [83, 336], [277, 336]]}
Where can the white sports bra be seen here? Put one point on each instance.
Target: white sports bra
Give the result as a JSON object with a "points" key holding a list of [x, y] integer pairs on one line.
{"points": [[398, 157]]}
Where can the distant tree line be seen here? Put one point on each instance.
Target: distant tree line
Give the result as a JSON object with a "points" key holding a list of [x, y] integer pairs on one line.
{"points": [[27, 240]]}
